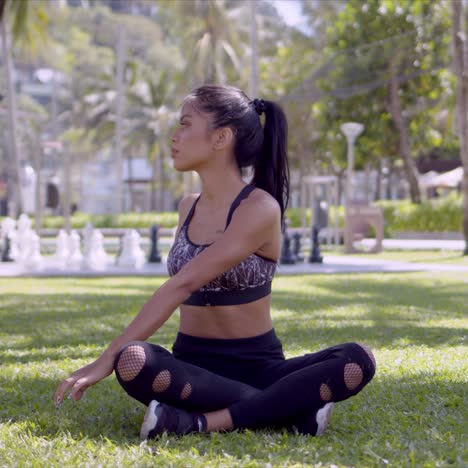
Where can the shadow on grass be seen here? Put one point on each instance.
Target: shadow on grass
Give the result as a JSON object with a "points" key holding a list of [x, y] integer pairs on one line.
{"points": [[387, 290], [51, 326], [421, 413], [416, 412]]}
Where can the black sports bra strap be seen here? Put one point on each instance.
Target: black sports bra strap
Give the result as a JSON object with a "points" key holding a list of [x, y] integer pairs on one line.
{"points": [[244, 193], [190, 213]]}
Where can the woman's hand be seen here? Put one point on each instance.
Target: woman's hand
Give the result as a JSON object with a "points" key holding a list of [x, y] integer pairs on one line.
{"points": [[83, 378]]}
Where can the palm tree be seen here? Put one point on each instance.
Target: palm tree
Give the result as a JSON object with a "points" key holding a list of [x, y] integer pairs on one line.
{"points": [[212, 31], [147, 121], [151, 118], [28, 20]]}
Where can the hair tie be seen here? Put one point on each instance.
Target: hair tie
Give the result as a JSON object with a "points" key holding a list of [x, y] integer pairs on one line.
{"points": [[259, 105]]}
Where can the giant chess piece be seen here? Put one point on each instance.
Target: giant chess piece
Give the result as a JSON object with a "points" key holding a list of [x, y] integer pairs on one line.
{"points": [[75, 258], [297, 247], [13, 239], [154, 256], [287, 257], [33, 258], [62, 249], [96, 257], [6, 251], [132, 255], [7, 228], [23, 237], [315, 256]]}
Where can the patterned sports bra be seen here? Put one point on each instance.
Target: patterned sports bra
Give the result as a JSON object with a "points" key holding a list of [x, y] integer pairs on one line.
{"points": [[246, 282]]}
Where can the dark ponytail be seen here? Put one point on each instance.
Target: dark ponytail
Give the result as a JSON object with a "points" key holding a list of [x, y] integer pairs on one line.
{"points": [[271, 170], [264, 148]]}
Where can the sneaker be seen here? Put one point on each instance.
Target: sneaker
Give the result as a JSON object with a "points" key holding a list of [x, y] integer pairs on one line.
{"points": [[323, 418], [160, 418], [316, 423]]}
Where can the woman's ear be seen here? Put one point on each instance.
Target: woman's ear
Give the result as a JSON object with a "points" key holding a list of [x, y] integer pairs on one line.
{"points": [[224, 138]]}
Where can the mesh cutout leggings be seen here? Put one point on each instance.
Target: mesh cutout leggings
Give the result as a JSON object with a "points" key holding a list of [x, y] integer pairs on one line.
{"points": [[248, 376]]}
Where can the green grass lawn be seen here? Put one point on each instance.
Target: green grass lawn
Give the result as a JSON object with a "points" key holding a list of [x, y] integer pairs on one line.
{"points": [[413, 413]]}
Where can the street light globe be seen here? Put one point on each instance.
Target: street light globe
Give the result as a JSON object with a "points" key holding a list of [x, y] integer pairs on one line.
{"points": [[352, 130]]}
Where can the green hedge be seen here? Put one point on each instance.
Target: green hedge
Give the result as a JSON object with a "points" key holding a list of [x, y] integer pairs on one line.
{"points": [[123, 220], [435, 215], [440, 215]]}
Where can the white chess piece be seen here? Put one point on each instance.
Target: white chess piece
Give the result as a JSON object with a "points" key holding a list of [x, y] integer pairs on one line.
{"points": [[24, 222], [7, 225], [132, 254], [75, 259], [62, 250], [23, 237], [96, 257], [33, 258]]}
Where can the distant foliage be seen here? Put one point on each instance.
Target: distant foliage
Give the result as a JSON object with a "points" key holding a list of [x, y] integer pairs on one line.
{"points": [[437, 215], [124, 220]]}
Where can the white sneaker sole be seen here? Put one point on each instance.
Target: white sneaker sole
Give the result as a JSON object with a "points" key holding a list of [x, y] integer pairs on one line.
{"points": [[323, 418], [150, 420]]}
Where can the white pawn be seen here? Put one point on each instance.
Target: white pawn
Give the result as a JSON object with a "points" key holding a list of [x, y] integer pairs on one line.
{"points": [[24, 236], [132, 254], [8, 225], [75, 258], [33, 258], [96, 257], [24, 223], [24, 242], [62, 250]]}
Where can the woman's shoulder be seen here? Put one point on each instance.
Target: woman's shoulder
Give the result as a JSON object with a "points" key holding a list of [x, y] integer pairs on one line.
{"points": [[261, 204], [187, 201], [261, 198], [185, 204]]}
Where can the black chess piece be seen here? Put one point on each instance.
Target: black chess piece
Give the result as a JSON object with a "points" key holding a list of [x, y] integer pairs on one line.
{"points": [[287, 257], [297, 247], [315, 256], [6, 253], [154, 256]]}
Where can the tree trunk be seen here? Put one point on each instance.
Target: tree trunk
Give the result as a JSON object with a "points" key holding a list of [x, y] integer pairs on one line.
{"points": [[119, 116], [14, 165], [460, 47], [405, 149]]}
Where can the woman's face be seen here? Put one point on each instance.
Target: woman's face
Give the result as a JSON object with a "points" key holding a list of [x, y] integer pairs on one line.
{"points": [[192, 142]]}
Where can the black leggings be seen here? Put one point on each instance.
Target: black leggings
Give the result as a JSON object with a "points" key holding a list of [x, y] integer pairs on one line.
{"points": [[249, 376]]}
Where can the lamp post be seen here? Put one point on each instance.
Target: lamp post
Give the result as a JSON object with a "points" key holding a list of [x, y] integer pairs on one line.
{"points": [[351, 131]]}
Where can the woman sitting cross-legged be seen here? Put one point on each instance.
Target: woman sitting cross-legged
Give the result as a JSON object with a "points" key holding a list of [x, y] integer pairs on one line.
{"points": [[227, 369]]}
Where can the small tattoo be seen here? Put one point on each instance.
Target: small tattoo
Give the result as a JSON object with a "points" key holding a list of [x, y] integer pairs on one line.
{"points": [[219, 231]]}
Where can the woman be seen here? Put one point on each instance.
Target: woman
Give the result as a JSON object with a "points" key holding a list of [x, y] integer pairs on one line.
{"points": [[227, 370]]}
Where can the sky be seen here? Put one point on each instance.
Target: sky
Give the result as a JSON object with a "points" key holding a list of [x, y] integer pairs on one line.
{"points": [[290, 10]]}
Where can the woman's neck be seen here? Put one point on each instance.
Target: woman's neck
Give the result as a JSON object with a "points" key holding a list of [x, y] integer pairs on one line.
{"points": [[219, 188]]}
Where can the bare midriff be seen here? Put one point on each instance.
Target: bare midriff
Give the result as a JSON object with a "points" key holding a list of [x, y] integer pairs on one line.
{"points": [[227, 322]]}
